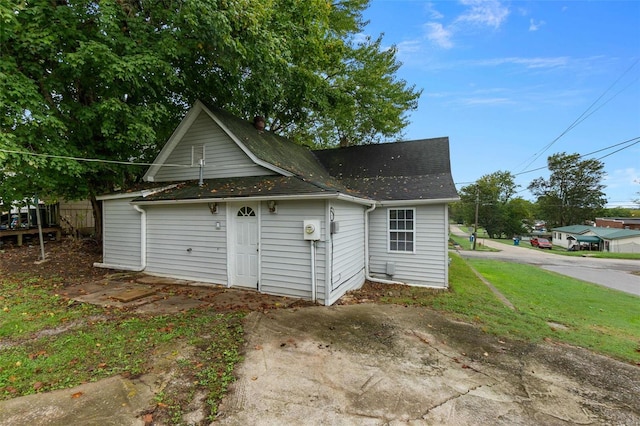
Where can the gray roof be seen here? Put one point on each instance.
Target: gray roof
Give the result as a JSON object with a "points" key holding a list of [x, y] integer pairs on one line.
{"points": [[413, 170], [417, 170], [253, 186]]}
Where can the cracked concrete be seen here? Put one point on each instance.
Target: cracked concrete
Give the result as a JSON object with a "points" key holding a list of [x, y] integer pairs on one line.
{"points": [[385, 364]]}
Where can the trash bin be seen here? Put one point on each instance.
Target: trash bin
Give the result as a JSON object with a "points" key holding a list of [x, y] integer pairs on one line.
{"points": [[516, 241]]}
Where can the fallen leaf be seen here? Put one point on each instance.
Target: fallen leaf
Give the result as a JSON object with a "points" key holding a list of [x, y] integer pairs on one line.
{"points": [[258, 347], [148, 419], [76, 395], [37, 386]]}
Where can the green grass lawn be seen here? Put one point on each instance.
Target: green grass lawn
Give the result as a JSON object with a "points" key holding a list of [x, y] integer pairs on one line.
{"points": [[604, 320]]}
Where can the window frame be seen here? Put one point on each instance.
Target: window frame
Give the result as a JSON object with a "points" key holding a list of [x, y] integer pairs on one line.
{"points": [[197, 152], [413, 230]]}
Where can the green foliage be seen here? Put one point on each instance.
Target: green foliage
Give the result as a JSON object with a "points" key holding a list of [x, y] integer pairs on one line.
{"points": [[499, 213], [110, 80], [574, 191]]}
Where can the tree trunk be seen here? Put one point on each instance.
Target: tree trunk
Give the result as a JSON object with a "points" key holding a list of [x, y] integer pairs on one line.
{"points": [[97, 217]]}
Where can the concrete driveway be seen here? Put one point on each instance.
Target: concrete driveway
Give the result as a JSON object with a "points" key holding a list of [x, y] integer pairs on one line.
{"points": [[384, 364], [619, 274]]}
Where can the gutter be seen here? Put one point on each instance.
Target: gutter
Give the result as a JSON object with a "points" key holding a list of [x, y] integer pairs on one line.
{"points": [[339, 196]]}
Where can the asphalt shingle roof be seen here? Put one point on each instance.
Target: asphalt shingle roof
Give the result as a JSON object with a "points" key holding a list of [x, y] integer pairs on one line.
{"points": [[252, 186], [416, 170], [412, 170]]}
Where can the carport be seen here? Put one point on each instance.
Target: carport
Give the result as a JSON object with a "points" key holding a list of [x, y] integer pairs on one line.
{"points": [[590, 240]]}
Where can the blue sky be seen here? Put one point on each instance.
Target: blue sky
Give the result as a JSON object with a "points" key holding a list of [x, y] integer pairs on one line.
{"points": [[505, 79]]}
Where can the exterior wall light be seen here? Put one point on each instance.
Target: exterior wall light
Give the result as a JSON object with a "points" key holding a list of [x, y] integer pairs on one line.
{"points": [[273, 207], [213, 207]]}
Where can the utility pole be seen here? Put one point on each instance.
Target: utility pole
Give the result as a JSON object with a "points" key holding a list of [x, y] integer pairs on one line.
{"points": [[475, 226]]}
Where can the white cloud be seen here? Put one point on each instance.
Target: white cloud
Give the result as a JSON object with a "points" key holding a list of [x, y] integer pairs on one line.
{"points": [[430, 8], [439, 35], [551, 62], [486, 13], [535, 26]]}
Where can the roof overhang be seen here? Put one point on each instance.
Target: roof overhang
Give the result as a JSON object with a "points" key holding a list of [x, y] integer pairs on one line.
{"points": [[417, 202], [339, 196], [134, 194]]}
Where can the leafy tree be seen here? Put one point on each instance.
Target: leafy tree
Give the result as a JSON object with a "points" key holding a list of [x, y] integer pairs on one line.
{"points": [[110, 80], [498, 212], [614, 212], [573, 192]]}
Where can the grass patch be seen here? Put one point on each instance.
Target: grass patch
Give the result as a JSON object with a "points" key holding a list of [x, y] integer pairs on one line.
{"points": [[465, 244], [597, 318], [40, 352], [31, 304]]}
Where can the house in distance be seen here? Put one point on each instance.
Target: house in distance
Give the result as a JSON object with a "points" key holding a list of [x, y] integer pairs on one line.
{"points": [[229, 203]]}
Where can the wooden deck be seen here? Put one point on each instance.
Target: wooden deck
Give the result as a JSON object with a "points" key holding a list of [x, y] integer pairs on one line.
{"points": [[31, 231]]}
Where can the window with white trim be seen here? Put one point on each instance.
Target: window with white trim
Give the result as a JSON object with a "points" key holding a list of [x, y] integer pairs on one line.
{"points": [[401, 230]]}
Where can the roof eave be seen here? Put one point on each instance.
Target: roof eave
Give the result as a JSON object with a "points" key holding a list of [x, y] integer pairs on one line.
{"points": [[418, 201], [340, 196]]}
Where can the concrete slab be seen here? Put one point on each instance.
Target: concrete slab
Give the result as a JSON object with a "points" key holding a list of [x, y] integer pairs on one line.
{"points": [[385, 364], [110, 402]]}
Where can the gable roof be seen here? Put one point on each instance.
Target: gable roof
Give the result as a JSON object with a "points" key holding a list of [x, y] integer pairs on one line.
{"points": [[400, 171], [412, 170]]}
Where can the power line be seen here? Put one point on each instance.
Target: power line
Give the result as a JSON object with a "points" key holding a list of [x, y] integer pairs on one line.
{"points": [[586, 112], [631, 142], [89, 160]]}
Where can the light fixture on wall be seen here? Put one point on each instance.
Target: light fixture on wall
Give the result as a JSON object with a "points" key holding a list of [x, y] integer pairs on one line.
{"points": [[272, 206], [213, 207]]}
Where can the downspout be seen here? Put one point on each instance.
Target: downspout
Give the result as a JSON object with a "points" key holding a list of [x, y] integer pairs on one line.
{"points": [[313, 271], [366, 251], [143, 236]]}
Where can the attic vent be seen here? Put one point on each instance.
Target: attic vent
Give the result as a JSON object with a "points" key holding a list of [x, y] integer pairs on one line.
{"points": [[197, 154]]}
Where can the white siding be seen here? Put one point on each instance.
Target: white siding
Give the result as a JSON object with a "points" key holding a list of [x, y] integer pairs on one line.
{"points": [[428, 266], [183, 242], [347, 269], [223, 158], [286, 256], [122, 233]]}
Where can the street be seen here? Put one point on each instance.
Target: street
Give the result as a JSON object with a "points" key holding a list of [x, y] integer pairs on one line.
{"points": [[612, 273]]}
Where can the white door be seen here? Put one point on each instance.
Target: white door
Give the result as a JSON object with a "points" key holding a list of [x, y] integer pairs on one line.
{"points": [[245, 266]]}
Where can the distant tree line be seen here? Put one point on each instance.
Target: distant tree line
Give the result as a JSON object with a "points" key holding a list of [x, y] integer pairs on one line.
{"points": [[572, 194]]}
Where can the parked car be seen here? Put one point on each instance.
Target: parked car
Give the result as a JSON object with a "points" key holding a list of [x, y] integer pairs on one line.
{"points": [[543, 243]]}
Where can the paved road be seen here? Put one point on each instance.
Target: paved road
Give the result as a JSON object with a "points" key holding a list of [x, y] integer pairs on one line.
{"points": [[612, 273]]}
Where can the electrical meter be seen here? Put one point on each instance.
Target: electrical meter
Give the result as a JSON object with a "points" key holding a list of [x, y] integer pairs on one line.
{"points": [[311, 229]]}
